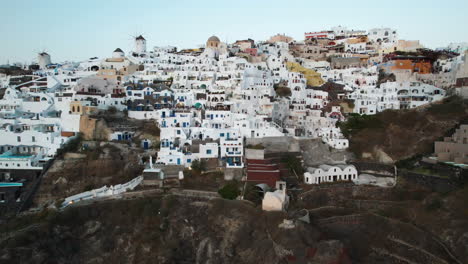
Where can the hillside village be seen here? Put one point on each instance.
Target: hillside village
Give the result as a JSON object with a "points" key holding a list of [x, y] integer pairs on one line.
{"points": [[278, 123]]}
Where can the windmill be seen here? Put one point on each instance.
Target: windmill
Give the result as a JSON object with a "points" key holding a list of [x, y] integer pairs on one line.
{"points": [[43, 58], [138, 42]]}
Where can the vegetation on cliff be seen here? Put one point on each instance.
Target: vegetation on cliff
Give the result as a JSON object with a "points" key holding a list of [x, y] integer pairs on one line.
{"points": [[404, 133]]}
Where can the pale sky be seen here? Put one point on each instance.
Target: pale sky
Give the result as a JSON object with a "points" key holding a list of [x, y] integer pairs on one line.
{"points": [[79, 29]]}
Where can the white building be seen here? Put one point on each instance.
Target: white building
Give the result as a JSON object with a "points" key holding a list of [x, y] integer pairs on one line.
{"points": [[382, 35], [330, 173], [277, 200]]}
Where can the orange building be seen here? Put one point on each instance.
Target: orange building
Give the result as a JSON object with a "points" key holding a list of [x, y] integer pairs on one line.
{"points": [[421, 67]]}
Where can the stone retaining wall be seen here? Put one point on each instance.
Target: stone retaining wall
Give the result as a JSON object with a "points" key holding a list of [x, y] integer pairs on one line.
{"points": [[434, 183]]}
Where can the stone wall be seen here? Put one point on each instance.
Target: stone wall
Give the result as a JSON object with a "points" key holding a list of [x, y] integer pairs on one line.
{"points": [[254, 153], [455, 173], [434, 183], [28, 200], [275, 144], [233, 174], [94, 129], [376, 169]]}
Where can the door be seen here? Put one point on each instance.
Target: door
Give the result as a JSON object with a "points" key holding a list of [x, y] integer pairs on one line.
{"points": [[145, 145], [178, 161], [119, 137]]}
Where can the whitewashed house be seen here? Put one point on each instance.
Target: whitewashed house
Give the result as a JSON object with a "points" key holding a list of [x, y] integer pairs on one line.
{"points": [[330, 173]]}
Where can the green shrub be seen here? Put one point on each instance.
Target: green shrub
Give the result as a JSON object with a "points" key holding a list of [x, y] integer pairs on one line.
{"points": [[451, 106], [198, 166], [111, 110], [88, 187], [230, 191], [258, 146], [408, 163], [71, 146], [434, 204], [283, 91], [357, 122], [293, 164]]}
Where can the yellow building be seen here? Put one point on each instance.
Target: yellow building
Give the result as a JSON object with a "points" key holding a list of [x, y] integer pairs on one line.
{"points": [[313, 78], [82, 108], [116, 68]]}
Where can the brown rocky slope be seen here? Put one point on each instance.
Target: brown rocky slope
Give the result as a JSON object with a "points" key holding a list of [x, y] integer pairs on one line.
{"points": [[165, 230], [392, 135]]}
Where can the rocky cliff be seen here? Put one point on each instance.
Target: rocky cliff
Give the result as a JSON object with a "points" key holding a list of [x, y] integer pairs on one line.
{"points": [[391, 135], [166, 230]]}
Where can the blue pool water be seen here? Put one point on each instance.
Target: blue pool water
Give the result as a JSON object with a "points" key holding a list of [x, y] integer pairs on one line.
{"points": [[11, 184], [9, 156]]}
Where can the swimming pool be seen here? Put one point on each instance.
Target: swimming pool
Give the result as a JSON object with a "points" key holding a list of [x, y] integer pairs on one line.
{"points": [[11, 184]]}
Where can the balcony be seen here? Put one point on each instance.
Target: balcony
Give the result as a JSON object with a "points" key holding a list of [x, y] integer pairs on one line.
{"points": [[234, 153], [234, 165]]}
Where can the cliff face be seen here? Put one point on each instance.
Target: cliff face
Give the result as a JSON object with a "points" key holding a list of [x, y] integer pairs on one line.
{"points": [[105, 163], [361, 224], [94, 128], [390, 136], [168, 230]]}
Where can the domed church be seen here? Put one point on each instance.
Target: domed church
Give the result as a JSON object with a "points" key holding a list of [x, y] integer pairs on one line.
{"points": [[213, 42]]}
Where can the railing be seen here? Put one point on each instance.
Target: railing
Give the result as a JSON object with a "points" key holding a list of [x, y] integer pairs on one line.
{"points": [[103, 192]]}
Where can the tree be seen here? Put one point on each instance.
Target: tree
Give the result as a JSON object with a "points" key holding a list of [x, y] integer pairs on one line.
{"points": [[199, 166], [230, 191], [293, 164], [71, 146], [112, 110]]}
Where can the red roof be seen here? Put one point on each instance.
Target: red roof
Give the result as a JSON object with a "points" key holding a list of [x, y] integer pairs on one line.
{"points": [[263, 171]]}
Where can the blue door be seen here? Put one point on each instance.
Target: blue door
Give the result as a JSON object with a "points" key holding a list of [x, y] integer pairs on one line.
{"points": [[145, 145], [119, 137], [178, 161]]}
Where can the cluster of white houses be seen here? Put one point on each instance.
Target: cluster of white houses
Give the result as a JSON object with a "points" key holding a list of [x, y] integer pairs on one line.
{"points": [[207, 101]]}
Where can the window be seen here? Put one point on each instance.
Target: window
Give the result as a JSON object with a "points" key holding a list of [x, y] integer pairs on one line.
{"points": [[208, 151], [18, 139]]}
